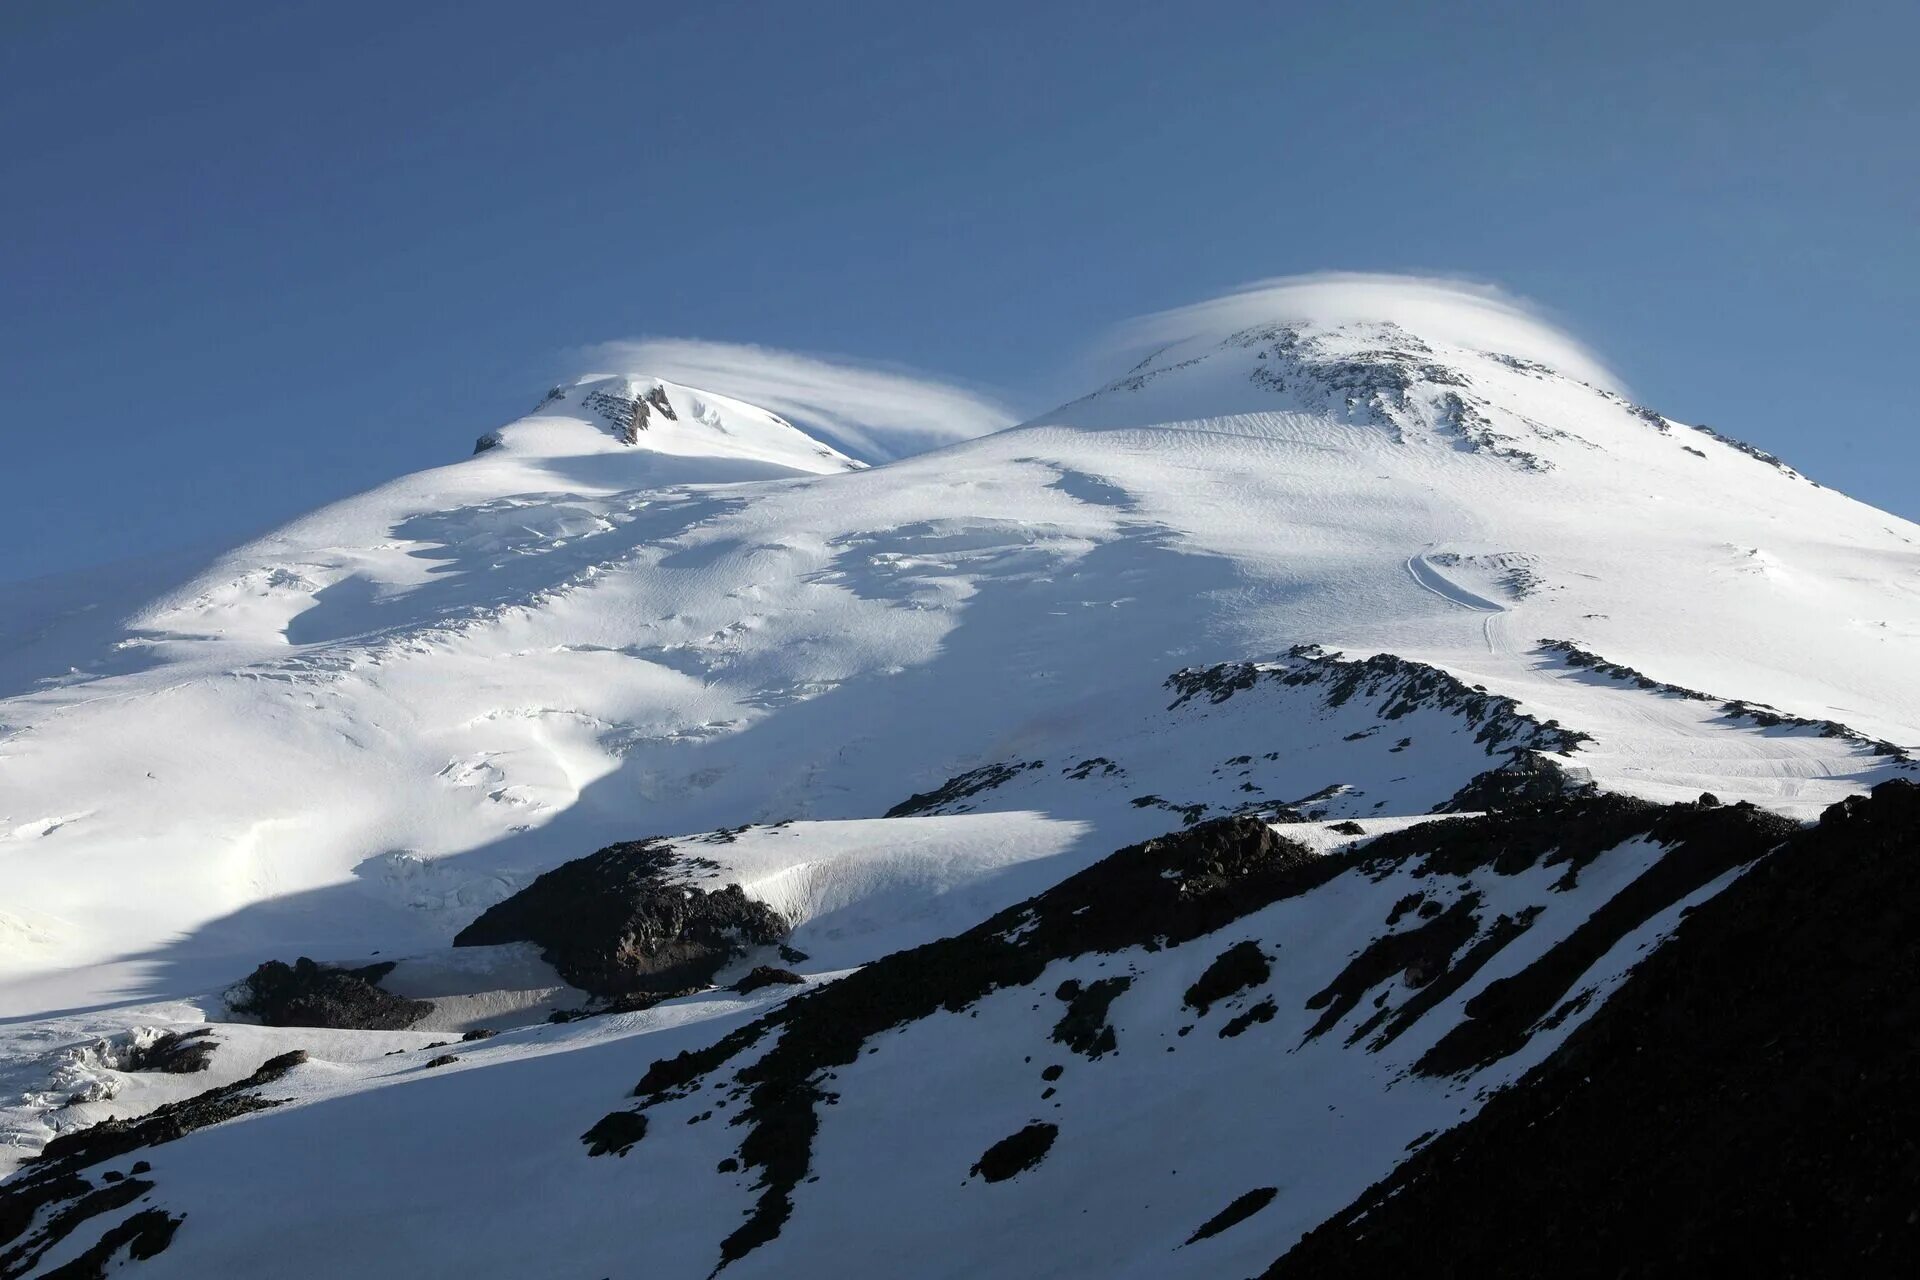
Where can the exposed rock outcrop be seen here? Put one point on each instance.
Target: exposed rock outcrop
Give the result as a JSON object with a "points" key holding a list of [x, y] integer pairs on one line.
{"points": [[617, 923], [766, 975], [1755, 1075], [1753, 713], [306, 994], [54, 1194], [1016, 1153], [174, 1052], [1161, 892]]}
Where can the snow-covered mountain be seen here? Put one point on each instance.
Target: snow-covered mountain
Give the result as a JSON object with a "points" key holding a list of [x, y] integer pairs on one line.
{"points": [[1323, 578]]}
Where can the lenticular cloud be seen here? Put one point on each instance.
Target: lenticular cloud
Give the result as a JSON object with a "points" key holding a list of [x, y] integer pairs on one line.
{"points": [[1468, 314], [874, 414]]}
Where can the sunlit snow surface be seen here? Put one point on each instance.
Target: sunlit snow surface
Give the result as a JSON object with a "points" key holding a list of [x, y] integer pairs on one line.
{"points": [[354, 734]]}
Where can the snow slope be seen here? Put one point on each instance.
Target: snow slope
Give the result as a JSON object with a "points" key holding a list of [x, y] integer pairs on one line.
{"points": [[362, 728], [1308, 1075], [1299, 569]]}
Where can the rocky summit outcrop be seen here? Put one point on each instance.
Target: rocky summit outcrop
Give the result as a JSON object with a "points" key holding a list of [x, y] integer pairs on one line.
{"points": [[618, 923]]}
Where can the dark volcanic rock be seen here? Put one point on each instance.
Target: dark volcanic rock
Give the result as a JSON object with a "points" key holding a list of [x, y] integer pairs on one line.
{"points": [[1745, 1103], [1752, 713], [1703, 843], [1527, 777], [766, 975], [1240, 966], [176, 1053], [1017, 1153], [305, 994], [1159, 893], [52, 1195], [614, 923], [1242, 1208], [1261, 1012], [960, 787], [1398, 685], [615, 1132], [166, 1123], [1190, 885], [143, 1235], [1083, 1027], [1418, 954]]}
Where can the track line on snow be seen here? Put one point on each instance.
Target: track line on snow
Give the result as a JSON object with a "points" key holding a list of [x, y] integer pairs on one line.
{"points": [[1425, 575]]}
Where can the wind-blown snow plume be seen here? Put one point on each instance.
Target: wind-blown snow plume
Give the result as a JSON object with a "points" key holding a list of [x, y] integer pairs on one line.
{"points": [[874, 414], [1468, 314]]}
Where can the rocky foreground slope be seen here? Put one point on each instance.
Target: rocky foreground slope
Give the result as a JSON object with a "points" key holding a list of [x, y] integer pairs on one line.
{"points": [[1131, 1055]]}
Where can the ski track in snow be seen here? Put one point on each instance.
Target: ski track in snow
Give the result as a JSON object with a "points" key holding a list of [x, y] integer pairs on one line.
{"points": [[1423, 572]]}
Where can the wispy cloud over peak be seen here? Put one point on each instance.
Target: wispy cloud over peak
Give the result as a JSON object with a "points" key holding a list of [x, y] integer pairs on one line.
{"points": [[1462, 312], [870, 412]]}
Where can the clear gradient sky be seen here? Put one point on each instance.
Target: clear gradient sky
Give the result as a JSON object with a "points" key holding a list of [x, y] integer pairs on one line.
{"points": [[255, 256]]}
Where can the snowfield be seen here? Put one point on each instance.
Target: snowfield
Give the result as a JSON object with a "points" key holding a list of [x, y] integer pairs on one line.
{"points": [[1335, 576]]}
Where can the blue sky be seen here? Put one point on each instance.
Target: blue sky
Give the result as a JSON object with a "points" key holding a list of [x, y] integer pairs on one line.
{"points": [[257, 256]]}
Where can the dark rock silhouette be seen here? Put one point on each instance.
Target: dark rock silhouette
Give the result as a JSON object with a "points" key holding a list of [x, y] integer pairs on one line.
{"points": [[766, 975], [615, 923], [306, 994], [1743, 1104], [1016, 1153]]}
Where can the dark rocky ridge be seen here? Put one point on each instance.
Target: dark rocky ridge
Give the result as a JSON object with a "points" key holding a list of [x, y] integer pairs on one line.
{"points": [[1757, 1076], [1703, 842], [143, 1235], [1438, 957], [1402, 687], [1751, 712], [959, 787], [53, 1195], [616, 924], [1189, 885], [1397, 686], [1159, 893], [1421, 953], [1525, 778], [1755, 452]]}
